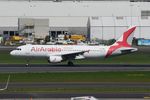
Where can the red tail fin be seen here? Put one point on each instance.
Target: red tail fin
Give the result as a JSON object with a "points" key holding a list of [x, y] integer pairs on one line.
{"points": [[124, 41], [127, 37]]}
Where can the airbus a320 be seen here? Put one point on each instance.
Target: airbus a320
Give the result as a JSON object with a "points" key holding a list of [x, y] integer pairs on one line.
{"points": [[60, 53]]}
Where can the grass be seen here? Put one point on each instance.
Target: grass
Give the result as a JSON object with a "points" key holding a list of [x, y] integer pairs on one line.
{"points": [[134, 58], [133, 76]]}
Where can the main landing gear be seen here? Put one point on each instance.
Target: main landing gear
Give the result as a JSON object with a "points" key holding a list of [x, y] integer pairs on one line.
{"points": [[70, 63]]}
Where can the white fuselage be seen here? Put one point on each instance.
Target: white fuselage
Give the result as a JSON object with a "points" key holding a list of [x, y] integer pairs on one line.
{"points": [[52, 50], [59, 53]]}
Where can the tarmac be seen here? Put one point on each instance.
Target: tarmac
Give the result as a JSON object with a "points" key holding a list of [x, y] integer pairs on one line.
{"points": [[145, 85], [82, 68], [22, 68], [69, 95]]}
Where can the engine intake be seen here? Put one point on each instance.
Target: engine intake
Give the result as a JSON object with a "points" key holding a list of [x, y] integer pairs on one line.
{"points": [[55, 59]]}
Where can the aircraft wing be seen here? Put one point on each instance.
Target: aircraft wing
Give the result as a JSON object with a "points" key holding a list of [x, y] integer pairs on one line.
{"points": [[74, 55], [71, 55]]}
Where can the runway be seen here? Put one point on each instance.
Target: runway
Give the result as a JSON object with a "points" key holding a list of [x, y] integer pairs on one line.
{"points": [[69, 95], [11, 95], [22, 68], [145, 85]]}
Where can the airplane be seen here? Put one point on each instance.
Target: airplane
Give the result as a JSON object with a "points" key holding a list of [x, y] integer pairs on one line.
{"points": [[60, 53]]}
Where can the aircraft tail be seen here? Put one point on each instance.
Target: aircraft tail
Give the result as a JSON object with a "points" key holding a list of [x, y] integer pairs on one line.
{"points": [[126, 39], [123, 44]]}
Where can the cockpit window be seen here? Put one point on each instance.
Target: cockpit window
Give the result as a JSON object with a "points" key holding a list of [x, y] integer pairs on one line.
{"points": [[18, 49]]}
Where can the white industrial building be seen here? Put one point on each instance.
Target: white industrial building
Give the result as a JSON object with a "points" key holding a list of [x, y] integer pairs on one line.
{"points": [[96, 19]]}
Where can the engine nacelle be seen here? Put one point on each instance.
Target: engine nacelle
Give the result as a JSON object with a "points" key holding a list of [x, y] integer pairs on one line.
{"points": [[55, 59]]}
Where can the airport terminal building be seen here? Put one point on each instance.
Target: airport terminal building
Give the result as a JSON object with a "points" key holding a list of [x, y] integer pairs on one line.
{"points": [[97, 19]]}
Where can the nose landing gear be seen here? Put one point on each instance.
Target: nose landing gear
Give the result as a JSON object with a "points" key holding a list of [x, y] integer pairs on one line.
{"points": [[28, 61]]}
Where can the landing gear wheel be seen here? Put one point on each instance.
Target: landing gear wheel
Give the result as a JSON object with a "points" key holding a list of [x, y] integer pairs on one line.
{"points": [[70, 63], [28, 61], [27, 65]]}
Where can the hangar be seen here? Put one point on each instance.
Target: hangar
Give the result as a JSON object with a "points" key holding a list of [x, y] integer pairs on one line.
{"points": [[97, 19]]}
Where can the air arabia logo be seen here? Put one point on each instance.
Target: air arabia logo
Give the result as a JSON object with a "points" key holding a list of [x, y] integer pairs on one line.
{"points": [[120, 44], [42, 49]]}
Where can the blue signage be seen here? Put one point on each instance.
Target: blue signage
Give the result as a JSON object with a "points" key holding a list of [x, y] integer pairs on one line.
{"points": [[144, 42]]}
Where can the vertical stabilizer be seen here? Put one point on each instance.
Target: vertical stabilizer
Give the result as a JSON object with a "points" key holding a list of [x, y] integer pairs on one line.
{"points": [[124, 41]]}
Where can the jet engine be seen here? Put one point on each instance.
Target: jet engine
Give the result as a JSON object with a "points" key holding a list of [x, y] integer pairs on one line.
{"points": [[55, 59]]}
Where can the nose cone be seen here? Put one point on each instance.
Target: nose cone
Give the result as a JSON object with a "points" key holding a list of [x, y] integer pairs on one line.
{"points": [[12, 53]]}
